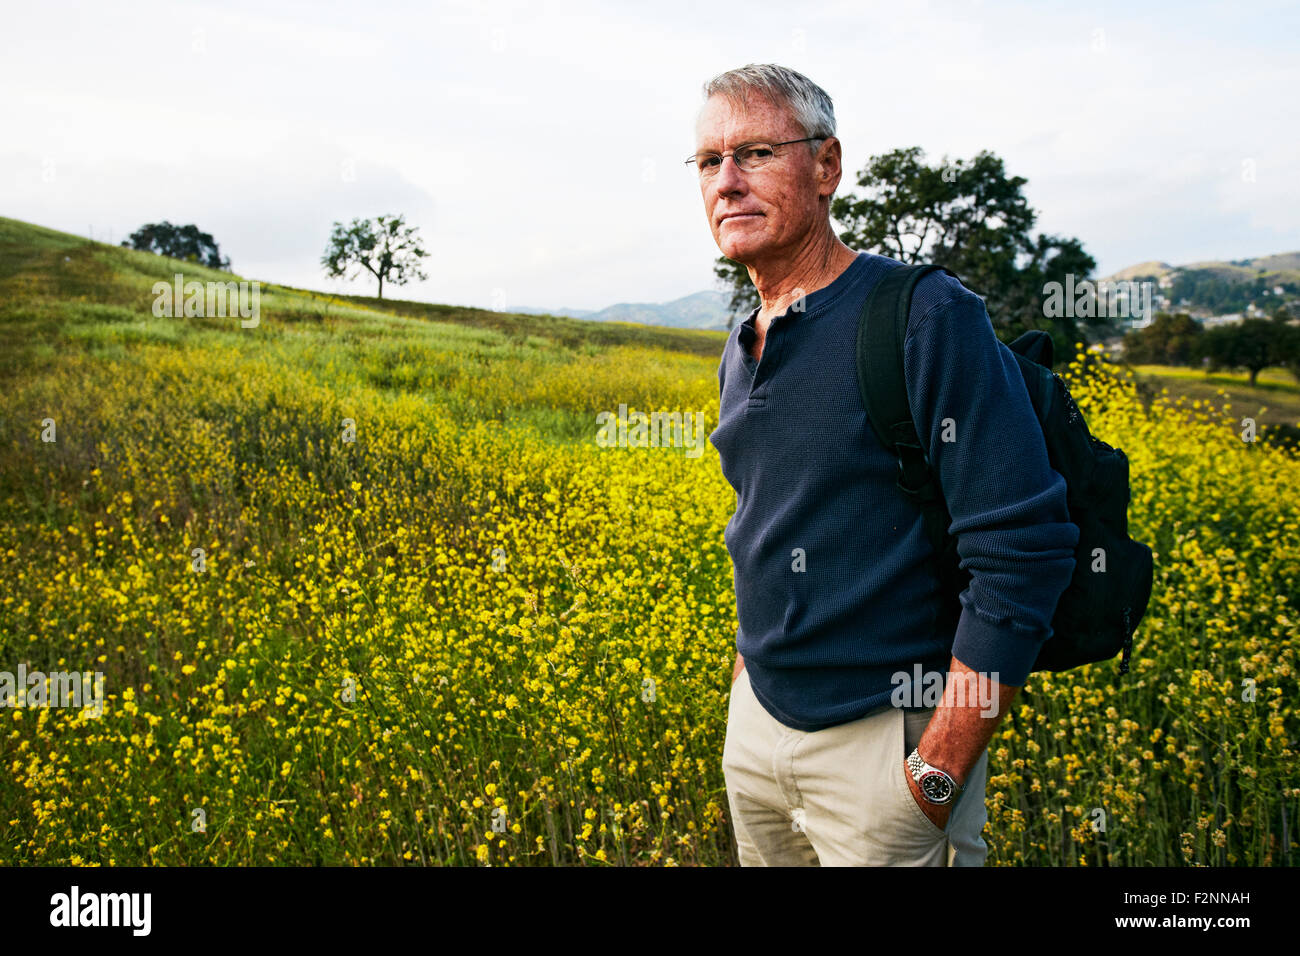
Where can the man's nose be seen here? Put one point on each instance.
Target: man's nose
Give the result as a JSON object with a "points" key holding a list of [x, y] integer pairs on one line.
{"points": [[729, 177]]}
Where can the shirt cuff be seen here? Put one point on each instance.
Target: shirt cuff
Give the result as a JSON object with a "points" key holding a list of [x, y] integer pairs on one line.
{"points": [[1003, 650]]}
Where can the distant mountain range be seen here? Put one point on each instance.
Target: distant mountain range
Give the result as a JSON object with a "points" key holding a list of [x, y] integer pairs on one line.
{"points": [[699, 310]]}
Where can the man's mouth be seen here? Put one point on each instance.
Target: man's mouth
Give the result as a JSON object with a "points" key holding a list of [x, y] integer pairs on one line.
{"points": [[739, 216]]}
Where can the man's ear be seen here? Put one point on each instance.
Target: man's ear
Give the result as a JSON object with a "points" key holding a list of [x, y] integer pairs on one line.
{"points": [[829, 167]]}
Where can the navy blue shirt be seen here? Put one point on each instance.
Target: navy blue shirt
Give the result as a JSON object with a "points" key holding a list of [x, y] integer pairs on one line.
{"points": [[836, 590]]}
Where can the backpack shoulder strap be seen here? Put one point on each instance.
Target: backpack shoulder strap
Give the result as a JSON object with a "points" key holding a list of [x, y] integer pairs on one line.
{"points": [[882, 329]]}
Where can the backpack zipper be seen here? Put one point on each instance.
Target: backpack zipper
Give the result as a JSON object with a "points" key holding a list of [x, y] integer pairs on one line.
{"points": [[1072, 410]]}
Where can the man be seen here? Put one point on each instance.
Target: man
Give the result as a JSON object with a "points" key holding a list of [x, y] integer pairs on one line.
{"points": [[836, 595]]}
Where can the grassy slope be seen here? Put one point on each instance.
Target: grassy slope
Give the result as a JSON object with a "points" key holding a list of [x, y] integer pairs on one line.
{"points": [[1274, 402], [561, 329], [63, 295], [45, 275]]}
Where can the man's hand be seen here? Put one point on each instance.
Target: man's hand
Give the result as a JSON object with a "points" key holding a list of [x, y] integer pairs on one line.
{"points": [[938, 813], [959, 730], [740, 666]]}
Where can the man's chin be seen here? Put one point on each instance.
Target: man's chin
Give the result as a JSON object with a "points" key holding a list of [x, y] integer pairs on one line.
{"points": [[742, 252]]}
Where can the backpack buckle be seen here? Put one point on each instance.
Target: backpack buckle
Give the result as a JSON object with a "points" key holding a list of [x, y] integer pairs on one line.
{"points": [[914, 473]]}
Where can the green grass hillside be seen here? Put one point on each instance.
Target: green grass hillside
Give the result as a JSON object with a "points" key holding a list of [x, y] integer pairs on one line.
{"points": [[1274, 402], [57, 289], [364, 589]]}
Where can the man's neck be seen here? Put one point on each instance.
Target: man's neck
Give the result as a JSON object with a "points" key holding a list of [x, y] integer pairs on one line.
{"points": [[811, 268]]}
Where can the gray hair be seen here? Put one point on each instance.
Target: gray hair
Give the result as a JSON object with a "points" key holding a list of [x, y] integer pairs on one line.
{"points": [[808, 102]]}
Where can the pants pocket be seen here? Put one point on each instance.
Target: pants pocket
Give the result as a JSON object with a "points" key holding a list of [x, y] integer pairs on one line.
{"points": [[735, 701]]}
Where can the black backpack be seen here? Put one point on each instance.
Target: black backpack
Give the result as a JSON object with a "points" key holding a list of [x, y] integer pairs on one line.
{"points": [[1099, 611]]}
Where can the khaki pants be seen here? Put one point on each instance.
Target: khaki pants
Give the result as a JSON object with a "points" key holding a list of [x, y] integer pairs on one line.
{"points": [[839, 797]]}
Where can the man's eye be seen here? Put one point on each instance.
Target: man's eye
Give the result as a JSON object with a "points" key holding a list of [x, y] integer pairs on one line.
{"points": [[756, 152], [710, 161]]}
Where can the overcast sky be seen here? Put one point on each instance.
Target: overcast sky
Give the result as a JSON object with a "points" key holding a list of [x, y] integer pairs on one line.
{"points": [[539, 146]]}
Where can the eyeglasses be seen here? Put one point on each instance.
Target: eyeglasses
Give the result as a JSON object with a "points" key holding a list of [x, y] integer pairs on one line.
{"points": [[748, 157]]}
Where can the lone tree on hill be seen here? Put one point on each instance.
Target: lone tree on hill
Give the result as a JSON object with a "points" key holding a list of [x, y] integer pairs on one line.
{"points": [[1252, 344], [179, 242], [384, 247]]}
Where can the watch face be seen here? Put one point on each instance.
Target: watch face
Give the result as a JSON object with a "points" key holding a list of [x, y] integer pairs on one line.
{"points": [[936, 786]]}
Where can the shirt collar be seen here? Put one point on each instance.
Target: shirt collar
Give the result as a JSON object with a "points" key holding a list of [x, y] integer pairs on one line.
{"points": [[813, 302]]}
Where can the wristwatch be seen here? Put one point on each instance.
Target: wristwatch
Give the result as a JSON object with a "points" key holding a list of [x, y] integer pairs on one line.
{"points": [[936, 786]]}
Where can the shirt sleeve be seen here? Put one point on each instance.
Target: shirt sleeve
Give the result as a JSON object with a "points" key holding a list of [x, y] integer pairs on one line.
{"points": [[1008, 506]]}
